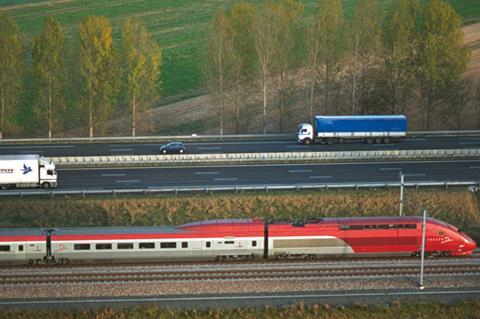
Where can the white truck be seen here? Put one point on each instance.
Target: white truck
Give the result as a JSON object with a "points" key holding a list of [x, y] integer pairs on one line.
{"points": [[27, 171]]}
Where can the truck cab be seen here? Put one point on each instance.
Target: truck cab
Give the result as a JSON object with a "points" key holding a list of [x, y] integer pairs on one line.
{"points": [[305, 133], [48, 174]]}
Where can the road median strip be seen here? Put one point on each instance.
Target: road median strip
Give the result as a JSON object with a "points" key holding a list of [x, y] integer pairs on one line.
{"points": [[263, 158]]}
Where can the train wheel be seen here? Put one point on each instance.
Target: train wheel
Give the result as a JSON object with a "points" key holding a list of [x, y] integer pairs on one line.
{"points": [[378, 140]]}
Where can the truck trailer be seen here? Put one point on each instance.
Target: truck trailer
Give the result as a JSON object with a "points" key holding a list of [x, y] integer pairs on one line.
{"points": [[27, 171], [368, 128]]}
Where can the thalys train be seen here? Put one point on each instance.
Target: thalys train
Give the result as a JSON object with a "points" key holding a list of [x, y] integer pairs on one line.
{"points": [[234, 239]]}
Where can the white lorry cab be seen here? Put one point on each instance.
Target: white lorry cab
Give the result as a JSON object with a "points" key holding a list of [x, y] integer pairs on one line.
{"points": [[27, 171]]}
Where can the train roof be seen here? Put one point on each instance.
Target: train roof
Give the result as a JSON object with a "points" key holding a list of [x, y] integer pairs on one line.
{"points": [[222, 223]]}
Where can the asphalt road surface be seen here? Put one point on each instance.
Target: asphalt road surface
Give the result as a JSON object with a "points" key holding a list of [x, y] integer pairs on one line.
{"points": [[411, 143], [280, 174]]}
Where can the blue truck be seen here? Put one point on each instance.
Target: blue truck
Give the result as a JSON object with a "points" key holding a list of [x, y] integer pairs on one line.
{"points": [[368, 128]]}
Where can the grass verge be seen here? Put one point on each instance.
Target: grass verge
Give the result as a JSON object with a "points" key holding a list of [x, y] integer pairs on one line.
{"points": [[466, 309], [456, 206]]}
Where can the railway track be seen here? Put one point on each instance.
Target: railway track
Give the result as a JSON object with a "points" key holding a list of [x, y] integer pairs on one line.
{"points": [[206, 272]]}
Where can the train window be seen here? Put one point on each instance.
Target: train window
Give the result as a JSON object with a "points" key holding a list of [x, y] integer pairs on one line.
{"points": [[81, 246], [254, 243], [168, 245], [20, 248], [103, 246], [184, 244], [4, 248], [146, 245], [208, 244], [125, 246], [231, 242]]}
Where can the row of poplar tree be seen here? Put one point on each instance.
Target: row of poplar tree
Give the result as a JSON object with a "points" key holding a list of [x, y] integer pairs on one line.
{"points": [[412, 56], [93, 71]]}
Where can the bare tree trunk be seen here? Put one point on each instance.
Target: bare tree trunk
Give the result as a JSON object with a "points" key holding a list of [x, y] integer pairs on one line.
{"points": [[282, 90], [312, 83], [134, 114], [50, 108], [327, 86], [2, 117], [426, 124], [354, 84], [90, 111], [237, 112], [264, 88]]}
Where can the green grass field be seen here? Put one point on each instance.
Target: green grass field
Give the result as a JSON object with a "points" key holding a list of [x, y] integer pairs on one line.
{"points": [[179, 26]]}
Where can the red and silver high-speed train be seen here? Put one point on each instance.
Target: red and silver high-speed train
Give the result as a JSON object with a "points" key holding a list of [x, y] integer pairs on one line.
{"points": [[234, 238]]}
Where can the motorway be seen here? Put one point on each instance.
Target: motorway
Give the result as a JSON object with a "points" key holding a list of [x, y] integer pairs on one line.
{"points": [[280, 174], [97, 149]]}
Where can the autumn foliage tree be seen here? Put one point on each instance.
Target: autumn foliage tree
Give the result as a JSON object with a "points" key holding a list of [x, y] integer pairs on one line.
{"points": [[442, 58], [99, 69], [48, 64], [141, 59], [220, 63], [325, 49], [10, 70]]}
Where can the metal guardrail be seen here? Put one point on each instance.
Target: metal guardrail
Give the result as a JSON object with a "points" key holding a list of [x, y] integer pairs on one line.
{"points": [[247, 158], [198, 137], [236, 189]]}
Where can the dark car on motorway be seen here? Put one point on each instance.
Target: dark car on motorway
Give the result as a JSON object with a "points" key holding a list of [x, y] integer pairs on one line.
{"points": [[172, 148]]}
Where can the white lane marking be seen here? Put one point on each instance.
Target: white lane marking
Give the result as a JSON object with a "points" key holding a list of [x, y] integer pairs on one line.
{"points": [[469, 143], [299, 170], [129, 181], [42, 146], [474, 167], [319, 177], [388, 293], [212, 148], [226, 179], [206, 173], [411, 175], [390, 169], [108, 175], [121, 150], [296, 146]]}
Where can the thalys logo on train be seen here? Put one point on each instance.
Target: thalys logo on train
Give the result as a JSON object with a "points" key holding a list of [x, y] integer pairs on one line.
{"points": [[26, 169]]}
